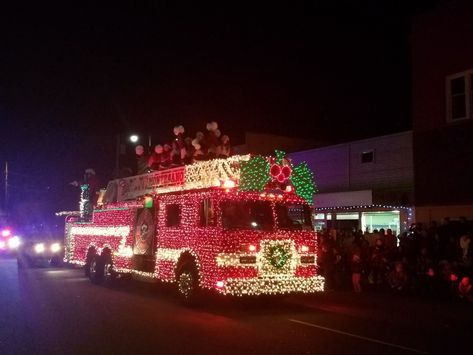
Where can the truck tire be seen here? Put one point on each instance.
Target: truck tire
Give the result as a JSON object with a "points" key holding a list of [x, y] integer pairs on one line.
{"points": [[187, 278], [91, 253], [96, 269], [109, 274]]}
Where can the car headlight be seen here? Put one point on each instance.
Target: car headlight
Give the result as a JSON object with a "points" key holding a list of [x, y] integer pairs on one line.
{"points": [[14, 242], [39, 248], [55, 247]]}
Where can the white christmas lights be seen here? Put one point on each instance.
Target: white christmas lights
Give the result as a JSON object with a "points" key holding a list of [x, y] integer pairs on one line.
{"points": [[272, 265]]}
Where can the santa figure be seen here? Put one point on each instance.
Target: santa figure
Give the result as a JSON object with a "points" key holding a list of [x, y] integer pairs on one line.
{"points": [[156, 159]]}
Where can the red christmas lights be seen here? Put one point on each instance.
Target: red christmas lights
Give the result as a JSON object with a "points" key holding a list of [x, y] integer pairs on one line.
{"points": [[242, 243]]}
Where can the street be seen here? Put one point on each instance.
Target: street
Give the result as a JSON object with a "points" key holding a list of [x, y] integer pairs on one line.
{"points": [[59, 311]]}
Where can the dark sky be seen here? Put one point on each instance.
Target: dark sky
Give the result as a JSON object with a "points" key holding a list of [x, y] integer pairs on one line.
{"points": [[72, 78]]}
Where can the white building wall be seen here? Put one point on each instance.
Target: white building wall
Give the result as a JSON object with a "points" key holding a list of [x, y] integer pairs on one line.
{"points": [[339, 167], [392, 165]]}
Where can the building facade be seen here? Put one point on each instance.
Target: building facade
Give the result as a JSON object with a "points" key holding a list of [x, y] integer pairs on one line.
{"points": [[366, 184], [442, 111]]}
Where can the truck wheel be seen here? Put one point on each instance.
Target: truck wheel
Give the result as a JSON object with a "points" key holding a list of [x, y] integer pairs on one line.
{"points": [[187, 282], [109, 274], [96, 269], [88, 259]]}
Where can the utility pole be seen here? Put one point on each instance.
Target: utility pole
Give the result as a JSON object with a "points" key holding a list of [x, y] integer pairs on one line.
{"points": [[117, 156], [6, 188]]}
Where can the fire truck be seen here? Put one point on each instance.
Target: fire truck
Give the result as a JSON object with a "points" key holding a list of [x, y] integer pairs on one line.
{"points": [[238, 226]]}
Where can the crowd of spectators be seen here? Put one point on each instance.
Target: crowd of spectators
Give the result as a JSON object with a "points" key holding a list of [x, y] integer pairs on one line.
{"points": [[431, 261]]}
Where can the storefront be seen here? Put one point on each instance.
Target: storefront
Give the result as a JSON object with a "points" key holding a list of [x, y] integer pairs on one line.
{"points": [[365, 218]]}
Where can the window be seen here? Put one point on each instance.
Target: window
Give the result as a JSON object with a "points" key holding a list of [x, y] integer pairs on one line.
{"points": [[347, 216], [367, 157], [460, 96], [247, 215], [173, 215], [206, 213], [293, 216]]}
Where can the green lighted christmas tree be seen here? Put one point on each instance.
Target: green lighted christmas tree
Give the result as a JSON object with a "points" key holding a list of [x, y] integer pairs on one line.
{"points": [[254, 174], [303, 182]]}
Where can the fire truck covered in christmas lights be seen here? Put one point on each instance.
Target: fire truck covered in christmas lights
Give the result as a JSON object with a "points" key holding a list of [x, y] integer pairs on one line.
{"points": [[239, 226]]}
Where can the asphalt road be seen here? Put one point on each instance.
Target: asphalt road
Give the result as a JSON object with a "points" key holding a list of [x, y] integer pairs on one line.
{"points": [[58, 311]]}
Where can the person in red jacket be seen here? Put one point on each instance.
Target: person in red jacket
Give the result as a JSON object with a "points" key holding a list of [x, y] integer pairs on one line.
{"points": [[465, 289]]}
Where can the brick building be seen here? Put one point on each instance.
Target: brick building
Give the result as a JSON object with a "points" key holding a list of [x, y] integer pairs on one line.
{"points": [[442, 111]]}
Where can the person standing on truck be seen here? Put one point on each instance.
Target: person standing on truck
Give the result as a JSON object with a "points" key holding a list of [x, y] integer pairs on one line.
{"points": [[224, 149], [91, 179], [156, 158], [141, 160]]}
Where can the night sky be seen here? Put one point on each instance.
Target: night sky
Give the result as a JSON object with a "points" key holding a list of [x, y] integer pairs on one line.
{"points": [[73, 78]]}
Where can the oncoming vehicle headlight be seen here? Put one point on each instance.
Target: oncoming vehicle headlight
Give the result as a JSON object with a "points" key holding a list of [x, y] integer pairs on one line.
{"points": [[14, 242], [55, 247], [39, 248], [6, 233]]}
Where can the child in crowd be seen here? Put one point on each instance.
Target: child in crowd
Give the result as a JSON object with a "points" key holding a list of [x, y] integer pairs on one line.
{"points": [[465, 289], [356, 268], [397, 278]]}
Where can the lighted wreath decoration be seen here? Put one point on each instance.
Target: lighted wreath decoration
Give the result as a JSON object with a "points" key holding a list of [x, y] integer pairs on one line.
{"points": [[277, 256], [258, 171]]}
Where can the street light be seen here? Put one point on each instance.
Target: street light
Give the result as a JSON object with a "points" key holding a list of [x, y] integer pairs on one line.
{"points": [[134, 138]]}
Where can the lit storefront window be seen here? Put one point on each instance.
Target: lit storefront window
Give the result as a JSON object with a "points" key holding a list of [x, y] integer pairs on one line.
{"points": [[383, 219], [347, 216]]}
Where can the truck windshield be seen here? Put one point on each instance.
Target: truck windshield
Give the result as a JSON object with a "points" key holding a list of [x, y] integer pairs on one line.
{"points": [[254, 215], [293, 216]]}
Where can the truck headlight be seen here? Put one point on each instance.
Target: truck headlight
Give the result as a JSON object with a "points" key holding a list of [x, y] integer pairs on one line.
{"points": [[39, 248], [55, 247]]}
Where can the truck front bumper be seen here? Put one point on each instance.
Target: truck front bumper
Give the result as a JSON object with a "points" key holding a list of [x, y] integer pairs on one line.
{"points": [[271, 286]]}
